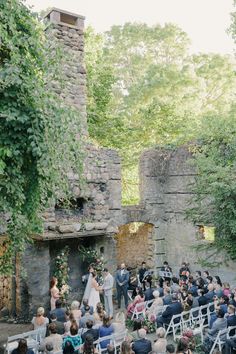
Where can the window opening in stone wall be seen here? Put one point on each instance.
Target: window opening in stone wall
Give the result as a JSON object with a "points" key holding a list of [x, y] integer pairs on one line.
{"points": [[206, 233], [73, 206], [102, 250], [130, 184], [69, 19]]}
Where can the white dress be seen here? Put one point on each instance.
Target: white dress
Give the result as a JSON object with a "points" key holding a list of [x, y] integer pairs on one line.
{"points": [[94, 297]]}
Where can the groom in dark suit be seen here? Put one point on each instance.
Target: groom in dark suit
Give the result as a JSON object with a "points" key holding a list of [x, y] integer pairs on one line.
{"points": [[122, 280]]}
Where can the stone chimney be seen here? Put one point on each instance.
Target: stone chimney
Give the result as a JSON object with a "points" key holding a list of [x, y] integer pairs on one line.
{"points": [[68, 29]]}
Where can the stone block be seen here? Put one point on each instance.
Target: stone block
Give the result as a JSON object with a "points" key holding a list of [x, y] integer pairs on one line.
{"points": [[89, 226], [69, 228], [100, 225]]}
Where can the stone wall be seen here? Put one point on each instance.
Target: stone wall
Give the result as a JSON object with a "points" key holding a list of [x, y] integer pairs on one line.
{"points": [[165, 180]]}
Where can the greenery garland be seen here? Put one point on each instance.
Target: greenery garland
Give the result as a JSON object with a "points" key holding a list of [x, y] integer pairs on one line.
{"points": [[62, 272]]}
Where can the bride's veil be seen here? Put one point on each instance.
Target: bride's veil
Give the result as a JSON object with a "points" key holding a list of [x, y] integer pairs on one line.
{"points": [[88, 287]]}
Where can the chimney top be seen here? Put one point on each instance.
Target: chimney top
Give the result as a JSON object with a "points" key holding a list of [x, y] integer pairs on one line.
{"points": [[65, 18]]}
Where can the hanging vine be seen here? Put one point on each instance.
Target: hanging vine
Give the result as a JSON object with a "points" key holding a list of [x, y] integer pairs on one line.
{"points": [[38, 143]]}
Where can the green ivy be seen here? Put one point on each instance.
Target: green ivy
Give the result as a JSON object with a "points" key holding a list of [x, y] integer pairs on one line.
{"points": [[38, 144]]}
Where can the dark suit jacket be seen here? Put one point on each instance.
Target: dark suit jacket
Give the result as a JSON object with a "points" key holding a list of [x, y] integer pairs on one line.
{"points": [[202, 300], [173, 309], [60, 314], [231, 320], [142, 346], [59, 326], [148, 294], [210, 296], [124, 278], [92, 332]]}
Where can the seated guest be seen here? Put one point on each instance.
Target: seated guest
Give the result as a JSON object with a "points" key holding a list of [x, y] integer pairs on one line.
{"points": [[226, 289], [184, 270], [142, 345], [69, 349], [86, 317], [139, 299], [167, 298], [90, 331], [119, 323], [219, 324], [22, 348], [99, 314], [192, 286], [59, 311], [67, 324], [49, 348], [160, 344], [59, 325], [137, 325], [73, 338], [183, 347], [175, 288], [199, 282], [230, 316], [174, 308], [76, 311], [210, 293], [148, 294], [218, 290], [202, 300], [233, 298], [126, 348], [216, 280], [170, 348], [54, 338], [105, 330], [82, 308], [156, 306], [89, 347], [222, 304], [40, 321], [230, 344]]}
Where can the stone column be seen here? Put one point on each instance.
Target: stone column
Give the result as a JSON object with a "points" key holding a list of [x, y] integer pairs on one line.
{"points": [[68, 29]]}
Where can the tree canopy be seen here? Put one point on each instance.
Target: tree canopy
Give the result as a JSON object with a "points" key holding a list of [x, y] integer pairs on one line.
{"points": [[157, 92]]}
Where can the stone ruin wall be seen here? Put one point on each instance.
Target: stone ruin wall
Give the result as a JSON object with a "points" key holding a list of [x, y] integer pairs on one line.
{"points": [[165, 177]]}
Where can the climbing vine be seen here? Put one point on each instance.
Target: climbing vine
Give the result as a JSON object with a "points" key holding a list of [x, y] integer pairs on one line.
{"points": [[38, 131]]}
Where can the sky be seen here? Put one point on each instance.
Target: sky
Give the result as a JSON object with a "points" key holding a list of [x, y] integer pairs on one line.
{"points": [[205, 21]]}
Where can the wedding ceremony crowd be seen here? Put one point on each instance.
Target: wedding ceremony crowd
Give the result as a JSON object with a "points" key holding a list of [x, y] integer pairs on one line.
{"points": [[80, 327]]}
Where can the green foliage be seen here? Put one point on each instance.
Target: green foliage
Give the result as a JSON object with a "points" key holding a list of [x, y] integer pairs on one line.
{"points": [[215, 188], [90, 257], [38, 144], [159, 94], [62, 271]]}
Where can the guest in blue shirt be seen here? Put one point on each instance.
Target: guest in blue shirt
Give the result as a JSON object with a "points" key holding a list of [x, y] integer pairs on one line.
{"points": [[105, 330]]}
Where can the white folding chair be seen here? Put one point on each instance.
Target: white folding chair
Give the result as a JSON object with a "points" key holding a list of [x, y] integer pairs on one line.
{"points": [[109, 339], [118, 338], [174, 325], [220, 340], [130, 292], [203, 314], [139, 309], [148, 304]]}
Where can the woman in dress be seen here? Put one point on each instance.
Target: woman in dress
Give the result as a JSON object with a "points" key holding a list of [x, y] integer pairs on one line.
{"points": [[55, 293], [76, 311], [39, 321], [94, 297], [156, 306], [139, 298], [88, 285]]}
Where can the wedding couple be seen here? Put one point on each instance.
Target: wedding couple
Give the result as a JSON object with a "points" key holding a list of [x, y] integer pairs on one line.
{"points": [[92, 290]]}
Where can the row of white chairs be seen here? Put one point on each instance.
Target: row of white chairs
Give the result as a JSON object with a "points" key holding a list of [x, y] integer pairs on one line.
{"points": [[221, 338], [33, 339], [197, 319]]}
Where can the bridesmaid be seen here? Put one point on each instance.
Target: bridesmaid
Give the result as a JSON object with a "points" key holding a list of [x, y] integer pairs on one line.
{"points": [[55, 293]]}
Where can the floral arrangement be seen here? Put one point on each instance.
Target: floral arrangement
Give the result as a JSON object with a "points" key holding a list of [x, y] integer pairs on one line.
{"points": [[188, 335], [90, 256], [146, 323], [62, 272]]}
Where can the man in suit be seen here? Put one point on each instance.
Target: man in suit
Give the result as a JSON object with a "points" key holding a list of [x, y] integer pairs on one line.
{"points": [[84, 319], [141, 274], [59, 312], [174, 308], [219, 324], [107, 288], [142, 345], [122, 281]]}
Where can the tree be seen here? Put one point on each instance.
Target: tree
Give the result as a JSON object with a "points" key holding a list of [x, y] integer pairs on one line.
{"points": [[160, 93], [36, 151]]}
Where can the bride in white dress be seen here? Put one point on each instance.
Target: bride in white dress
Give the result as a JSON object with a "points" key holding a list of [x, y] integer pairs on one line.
{"points": [[94, 296]]}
